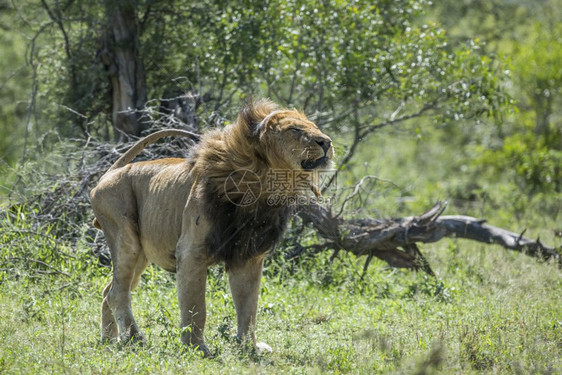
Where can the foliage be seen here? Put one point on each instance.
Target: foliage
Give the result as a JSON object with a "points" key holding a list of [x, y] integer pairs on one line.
{"points": [[527, 145], [13, 95], [534, 165], [382, 67], [532, 146], [536, 149]]}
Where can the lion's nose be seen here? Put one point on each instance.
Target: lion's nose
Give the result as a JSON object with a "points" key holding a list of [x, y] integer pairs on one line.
{"points": [[324, 143]]}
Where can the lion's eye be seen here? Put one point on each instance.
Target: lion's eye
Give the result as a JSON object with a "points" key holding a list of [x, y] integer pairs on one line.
{"points": [[295, 130]]}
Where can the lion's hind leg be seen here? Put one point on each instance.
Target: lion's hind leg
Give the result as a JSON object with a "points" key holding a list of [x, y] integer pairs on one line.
{"points": [[128, 263], [108, 325]]}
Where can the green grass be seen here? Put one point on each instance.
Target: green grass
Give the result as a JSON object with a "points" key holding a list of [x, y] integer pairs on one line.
{"points": [[489, 311]]}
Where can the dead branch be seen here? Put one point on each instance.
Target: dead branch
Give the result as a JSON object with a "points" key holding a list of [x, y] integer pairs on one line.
{"points": [[395, 240]]}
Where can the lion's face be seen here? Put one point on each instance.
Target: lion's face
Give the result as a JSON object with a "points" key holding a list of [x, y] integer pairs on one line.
{"points": [[291, 141]]}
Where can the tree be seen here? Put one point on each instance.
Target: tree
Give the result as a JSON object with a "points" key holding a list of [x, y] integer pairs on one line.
{"points": [[382, 70], [123, 61]]}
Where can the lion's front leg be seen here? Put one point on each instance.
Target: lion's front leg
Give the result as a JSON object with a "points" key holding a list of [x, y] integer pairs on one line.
{"points": [[245, 286], [191, 281]]}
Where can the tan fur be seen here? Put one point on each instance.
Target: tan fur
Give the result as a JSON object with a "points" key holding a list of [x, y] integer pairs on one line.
{"points": [[172, 212]]}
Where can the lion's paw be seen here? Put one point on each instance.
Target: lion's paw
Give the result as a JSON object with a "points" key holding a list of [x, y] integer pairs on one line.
{"points": [[203, 350], [135, 339], [262, 347]]}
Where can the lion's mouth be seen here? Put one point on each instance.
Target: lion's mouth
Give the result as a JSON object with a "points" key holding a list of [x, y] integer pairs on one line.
{"points": [[311, 164]]}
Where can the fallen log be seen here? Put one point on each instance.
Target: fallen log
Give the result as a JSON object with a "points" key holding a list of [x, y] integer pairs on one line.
{"points": [[395, 240]]}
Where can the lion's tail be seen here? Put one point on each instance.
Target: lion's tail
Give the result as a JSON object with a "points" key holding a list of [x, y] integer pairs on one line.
{"points": [[142, 143]]}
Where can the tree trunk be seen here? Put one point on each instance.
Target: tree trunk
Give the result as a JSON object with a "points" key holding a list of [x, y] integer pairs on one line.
{"points": [[125, 67]]}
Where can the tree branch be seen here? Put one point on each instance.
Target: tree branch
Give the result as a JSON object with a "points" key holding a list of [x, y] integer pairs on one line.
{"points": [[371, 128], [351, 151], [394, 240], [360, 132]]}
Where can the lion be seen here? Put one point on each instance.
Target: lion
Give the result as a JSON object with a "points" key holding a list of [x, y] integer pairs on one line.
{"points": [[185, 215]]}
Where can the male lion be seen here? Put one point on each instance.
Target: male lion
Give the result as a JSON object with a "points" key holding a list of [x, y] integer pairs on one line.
{"points": [[188, 214]]}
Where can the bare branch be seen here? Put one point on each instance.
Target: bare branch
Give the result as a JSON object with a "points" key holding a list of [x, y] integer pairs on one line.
{"points": [[356, 190], [58, 20], [351, 151], [371, 128], [294, 81]]}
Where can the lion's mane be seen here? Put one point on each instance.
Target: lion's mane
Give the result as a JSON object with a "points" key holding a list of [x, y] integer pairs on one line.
{"points": [[240, 231]]}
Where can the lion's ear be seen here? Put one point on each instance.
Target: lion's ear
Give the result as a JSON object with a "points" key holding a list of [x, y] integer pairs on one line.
{"points": [[262, 124], [255, 115]]}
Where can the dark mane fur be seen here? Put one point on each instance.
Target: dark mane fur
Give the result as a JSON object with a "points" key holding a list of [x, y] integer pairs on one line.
{"points": [[242, 232]]}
